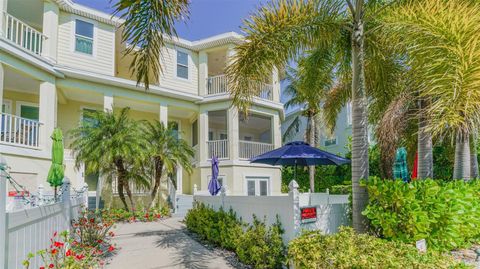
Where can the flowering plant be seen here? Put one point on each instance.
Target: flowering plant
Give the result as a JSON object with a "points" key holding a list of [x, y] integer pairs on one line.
{"points": [[121, 215], [88, 243]]}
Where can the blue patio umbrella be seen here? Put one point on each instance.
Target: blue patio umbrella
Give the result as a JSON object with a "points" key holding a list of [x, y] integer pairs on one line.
{"points": [[214, 185], [299, 153]]}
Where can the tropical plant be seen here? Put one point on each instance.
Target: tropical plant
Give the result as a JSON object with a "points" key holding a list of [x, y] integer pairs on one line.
{"points": [[110, 145], [441, 41], [308, 84], [147, 24], [281, 30], [167, 151]]}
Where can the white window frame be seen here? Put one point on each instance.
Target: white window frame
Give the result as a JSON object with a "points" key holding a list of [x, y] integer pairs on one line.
{"points": [[8, 106], [257, 179], [177, 64], [19, 105], [74, 35]]}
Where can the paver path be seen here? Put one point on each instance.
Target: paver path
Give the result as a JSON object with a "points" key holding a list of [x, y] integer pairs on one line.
{"points": [[161, 244]]}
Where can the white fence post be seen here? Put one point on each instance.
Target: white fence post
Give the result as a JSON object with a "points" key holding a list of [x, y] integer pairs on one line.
{"points": [[67, 202], [3, 212], [294, 195], [85, 195], [195, 189]]}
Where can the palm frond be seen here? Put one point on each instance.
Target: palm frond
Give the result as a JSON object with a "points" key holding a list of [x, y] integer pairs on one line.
{"points": [[147, 24]]}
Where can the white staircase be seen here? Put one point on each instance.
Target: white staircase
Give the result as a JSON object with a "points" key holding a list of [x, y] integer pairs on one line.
{"points": [[183, 202]]}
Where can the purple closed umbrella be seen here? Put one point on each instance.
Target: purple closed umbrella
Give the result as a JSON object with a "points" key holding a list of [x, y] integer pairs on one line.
{"points": [[214, 185]]}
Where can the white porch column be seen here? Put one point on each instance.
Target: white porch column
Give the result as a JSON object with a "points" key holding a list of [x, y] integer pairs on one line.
{"points": [[107, 102], [47, 113], [202, 73], [233, 130], [203, 136], [1, 83], [3, 10], [163, 114], [3, 214], [276, 131], [50, 30], [276, 85]]}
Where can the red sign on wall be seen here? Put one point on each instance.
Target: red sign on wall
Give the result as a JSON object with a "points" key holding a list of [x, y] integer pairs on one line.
{"points": [[308, 214]]}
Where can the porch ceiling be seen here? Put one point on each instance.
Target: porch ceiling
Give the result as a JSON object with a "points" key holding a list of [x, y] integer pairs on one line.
{"points": [[16, 81], [29, 11]]}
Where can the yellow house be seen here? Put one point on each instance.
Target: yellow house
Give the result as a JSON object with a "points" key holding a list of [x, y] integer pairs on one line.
{"points": [[59, 59]]}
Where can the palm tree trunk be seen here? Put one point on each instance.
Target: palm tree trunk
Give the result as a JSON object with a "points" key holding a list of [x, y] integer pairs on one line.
{"points": [[359, 124], [311, 141], [122, 179], [120, 182], [158, 177], [461, 169], [473, 155], [425, 147]]}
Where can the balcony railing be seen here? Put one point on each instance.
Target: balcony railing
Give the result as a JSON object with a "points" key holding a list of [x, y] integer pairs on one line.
{"points": [[23, 35], [19, 131], [219, 84], [218, 148], [249, 149]]}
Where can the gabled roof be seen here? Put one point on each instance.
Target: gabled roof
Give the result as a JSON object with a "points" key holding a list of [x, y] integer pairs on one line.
{"points": [[210, 42], [71, 7]]}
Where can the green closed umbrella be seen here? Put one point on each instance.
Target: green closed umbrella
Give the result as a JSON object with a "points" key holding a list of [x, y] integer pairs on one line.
{"points": [[56, 172]]}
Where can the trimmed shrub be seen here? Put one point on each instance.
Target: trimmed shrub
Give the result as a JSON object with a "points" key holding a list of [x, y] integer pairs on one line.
{"points": [[256, 245], [347, 249], [446, 214]]}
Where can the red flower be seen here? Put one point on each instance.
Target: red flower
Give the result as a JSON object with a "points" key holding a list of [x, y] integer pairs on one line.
{"points": [[111, 234], [99, 241], [54, 234], [69, 253], [42, 267], [80, 256], [99, 252], [51, 265], [146, 216], [58, 244], [92, 220], [158, 216], [54, 251], [111, 248]]}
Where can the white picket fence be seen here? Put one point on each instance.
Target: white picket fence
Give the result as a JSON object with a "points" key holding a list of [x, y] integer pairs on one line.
{"points": [[29, 230], [332, 210]]}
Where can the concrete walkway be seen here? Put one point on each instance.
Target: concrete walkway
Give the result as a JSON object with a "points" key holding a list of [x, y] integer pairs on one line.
{"points": [[161, 244]]}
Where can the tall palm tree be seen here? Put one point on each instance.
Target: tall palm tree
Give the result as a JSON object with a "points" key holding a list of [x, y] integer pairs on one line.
{"points": [[281, 30], [110, 146], [147, 24], [443, 47], [167, 151], [308, 85]]}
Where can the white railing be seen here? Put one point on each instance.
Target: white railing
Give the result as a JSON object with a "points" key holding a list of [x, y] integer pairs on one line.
{"points": [[249, 149], [19, 131], [219, 84], [218, 148], [23, 35], [266, 92]]}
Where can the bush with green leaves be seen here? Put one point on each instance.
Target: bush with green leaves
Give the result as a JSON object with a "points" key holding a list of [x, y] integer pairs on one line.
{"points": [[445, 213], [256, 244], [347, 249]]}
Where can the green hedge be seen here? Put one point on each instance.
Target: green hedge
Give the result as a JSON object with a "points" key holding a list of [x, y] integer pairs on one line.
{"points": [[256, 244], [347, 249], [446, 214]]}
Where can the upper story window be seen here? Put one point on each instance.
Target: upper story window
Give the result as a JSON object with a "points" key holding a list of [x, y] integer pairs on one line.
{"points": [[182, 65], [83, 37]]}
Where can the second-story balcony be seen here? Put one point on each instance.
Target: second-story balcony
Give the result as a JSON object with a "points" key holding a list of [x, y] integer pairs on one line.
{"points": [[18, 131], [219, 85], [22, 34]]}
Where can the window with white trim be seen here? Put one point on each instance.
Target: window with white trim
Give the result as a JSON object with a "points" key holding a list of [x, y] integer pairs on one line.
{"points": [[182, 64], [257, 186], [330, 140], [84, 37]]}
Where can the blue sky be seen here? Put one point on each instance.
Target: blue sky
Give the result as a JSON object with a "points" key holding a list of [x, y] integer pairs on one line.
{"points": [[207, 17]]}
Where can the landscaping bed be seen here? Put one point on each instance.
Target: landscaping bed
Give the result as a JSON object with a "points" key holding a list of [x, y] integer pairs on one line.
{"points": [[144, 215]]}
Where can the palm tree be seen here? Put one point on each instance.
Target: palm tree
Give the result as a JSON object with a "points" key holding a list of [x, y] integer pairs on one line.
{"points": [[443, 47], [281, 30], [147, 24], [166, 151], [307, 88], [110, 144]]}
